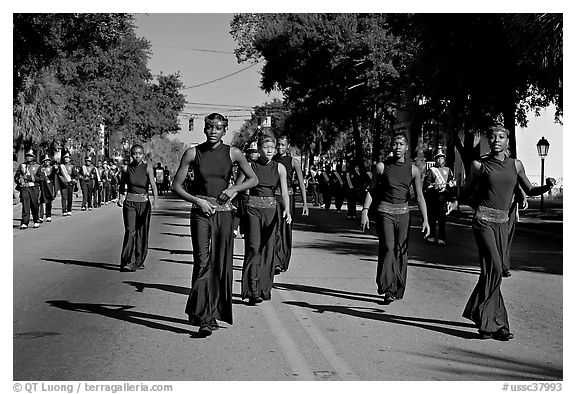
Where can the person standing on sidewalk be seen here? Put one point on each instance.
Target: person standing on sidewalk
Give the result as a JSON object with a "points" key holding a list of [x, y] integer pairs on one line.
{"points": [[46, 176], [283, 248], [67, 178], [262, 218], [390, 190], [438, 184], [210, 193], [491, 182], [27, 185], [136, 209], [87, 184]]}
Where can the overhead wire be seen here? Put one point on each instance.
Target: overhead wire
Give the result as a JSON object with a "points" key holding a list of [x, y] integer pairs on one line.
{"points": [[221, 78]]}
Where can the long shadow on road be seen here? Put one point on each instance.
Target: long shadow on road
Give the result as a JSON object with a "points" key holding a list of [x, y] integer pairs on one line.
{"points": [[105, 266], [141, 286], [124, 313], [381, 315]]}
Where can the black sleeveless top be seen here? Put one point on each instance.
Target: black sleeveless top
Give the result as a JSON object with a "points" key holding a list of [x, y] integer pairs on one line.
{"points": [[496, 182], [212, 170], [393, 185], [268, 178], [136, 178], [286, 161]]}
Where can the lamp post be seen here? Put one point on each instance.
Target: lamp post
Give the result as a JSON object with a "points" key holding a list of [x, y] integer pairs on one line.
{"points": [[543, 145]]}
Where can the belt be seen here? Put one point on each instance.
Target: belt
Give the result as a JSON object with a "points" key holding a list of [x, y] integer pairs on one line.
{"points": [[135, 197], [217, 207], [395, 209], [29, 184], [261, 202], [491, 215]]}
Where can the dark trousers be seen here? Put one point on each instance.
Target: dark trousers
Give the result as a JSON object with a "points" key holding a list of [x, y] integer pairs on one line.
{"points": [[87, 192], [159, 188], [30, 202], [512, 220], [327, 199], [283, 246], [351, 200], [48, 205], [106, 193], [213, 250], [97, 194], [259, 242], [67, 193], [485, 306], [136, 217], [338, 199], [436, 215], [392, 231], [114, 191]]}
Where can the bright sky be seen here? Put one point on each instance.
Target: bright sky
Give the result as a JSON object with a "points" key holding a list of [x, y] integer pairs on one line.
{"points": [[179, 44]]}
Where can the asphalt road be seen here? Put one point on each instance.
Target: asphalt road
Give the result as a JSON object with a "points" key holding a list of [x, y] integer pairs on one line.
{"points": [[76, 317]]}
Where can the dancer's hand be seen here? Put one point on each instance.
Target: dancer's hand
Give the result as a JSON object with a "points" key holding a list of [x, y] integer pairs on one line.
{"points": [[153, 202], [426, 229], [305, 210], [207, 208], [226, 196], [364, 221], [286, 215]]}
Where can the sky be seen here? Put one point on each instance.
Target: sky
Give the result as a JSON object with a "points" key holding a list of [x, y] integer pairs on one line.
{"points": [[180, 42]]}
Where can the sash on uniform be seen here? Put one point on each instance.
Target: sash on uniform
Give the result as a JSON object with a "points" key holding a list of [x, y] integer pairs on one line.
{"points": [[439, 178], [325, 176], [349, 181], [339, 178], [97, 174], [65, 173]]}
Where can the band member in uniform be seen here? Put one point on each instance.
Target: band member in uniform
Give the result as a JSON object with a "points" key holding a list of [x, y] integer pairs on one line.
{"points": [[325, 186], [67, 178], [27, 184], [136, 209], [46, 176], [390, 191], [106, 184], [313, 183], [159, 178], [87, 184], [167, 180], [283, 249], [438, 189], [353, 183], [211, 222], [98, 184], [337, 186], [262, 218], [492, 181]]}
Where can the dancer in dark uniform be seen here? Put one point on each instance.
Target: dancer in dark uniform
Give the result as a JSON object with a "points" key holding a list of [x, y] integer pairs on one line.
{"points": [[390, 191], [283, 249], [492, 180], [136, 209], [211, 222], [262, 220]]}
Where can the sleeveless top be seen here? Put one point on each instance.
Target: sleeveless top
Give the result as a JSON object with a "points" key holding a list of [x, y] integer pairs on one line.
{"points": [[268, 178], [286, 161], [393, 186], [136, 178], [212, 170], [496, 183]]}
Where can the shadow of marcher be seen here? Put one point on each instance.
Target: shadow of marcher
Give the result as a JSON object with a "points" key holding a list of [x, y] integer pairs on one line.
{"points": [[329, 292], [105, 266], [123, 312], [380, 315], [141, 286]]}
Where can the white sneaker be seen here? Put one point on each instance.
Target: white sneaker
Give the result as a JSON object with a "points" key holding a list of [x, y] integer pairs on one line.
{"points": [[441, 242], [23, 227], [36, 225], [89, 209], [431, 240], [49, 219]]}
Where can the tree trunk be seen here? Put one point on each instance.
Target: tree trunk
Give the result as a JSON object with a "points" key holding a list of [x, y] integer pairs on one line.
{"points": [[358, 142]]}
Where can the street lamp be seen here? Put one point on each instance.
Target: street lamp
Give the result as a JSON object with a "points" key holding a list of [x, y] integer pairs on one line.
{"points": [[543, 145]]}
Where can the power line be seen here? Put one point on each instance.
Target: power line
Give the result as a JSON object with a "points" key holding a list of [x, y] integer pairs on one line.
{"points": [[189, 103], [194, 49], [221, 78]]}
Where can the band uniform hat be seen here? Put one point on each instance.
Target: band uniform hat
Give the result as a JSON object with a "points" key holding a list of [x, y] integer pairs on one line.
{"points": [[67, 155], [252, 147], [88, 158], [46, 157], [30, 153], [439, 153]]}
